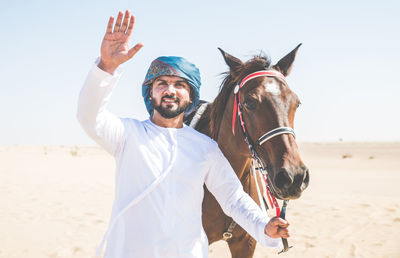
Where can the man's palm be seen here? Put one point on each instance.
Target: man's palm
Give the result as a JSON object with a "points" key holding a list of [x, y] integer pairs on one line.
{"points": [[115, 46]]}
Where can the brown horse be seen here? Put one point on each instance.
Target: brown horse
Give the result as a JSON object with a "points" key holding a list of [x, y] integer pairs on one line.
{"points": [[267, 103]]}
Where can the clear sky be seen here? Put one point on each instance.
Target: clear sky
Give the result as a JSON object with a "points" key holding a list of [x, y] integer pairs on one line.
{"points": [[346, 71]]}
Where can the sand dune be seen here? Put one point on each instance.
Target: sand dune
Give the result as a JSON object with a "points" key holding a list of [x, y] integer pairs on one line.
{"points": [[56, 201]]}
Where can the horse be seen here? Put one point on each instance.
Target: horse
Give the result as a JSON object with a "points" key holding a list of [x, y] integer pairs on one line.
{"points": [[265, 103]]}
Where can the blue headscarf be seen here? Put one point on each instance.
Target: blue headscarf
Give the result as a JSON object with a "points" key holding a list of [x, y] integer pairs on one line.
{"points": [[172, 66]]}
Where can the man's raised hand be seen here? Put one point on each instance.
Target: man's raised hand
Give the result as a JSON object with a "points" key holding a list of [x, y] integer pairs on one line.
{"points": [[115, 46]]}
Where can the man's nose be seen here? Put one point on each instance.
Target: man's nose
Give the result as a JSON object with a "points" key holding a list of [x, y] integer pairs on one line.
{"points": [[170, 89]]}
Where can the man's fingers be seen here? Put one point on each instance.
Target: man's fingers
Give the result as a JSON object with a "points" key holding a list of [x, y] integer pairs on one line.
{"points": [[118, 22], [134, 50], [284, 225], [130, 27], [284, 232], [110, 24], [280, 222], [125, 21]]}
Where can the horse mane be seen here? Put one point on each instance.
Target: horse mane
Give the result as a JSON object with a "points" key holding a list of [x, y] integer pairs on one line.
{"points": [[233, 77]]}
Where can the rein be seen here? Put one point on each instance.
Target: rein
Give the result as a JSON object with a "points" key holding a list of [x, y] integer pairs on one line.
{"points": [[257, 164]]}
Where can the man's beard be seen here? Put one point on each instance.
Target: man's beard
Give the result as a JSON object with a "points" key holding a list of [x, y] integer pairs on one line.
{"points": [[167, 112]]}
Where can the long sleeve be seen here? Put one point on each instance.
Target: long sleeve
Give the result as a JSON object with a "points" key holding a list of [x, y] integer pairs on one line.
{"points": [[102, 126], [235, 202]]}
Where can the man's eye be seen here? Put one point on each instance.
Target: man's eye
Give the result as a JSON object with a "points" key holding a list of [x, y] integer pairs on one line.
{"points": [[161, 83], [250, 104]]}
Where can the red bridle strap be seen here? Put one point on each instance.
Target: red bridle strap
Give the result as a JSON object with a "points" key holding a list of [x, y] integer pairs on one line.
{"points": [[268, 73], [272, 200], [263, 73]]}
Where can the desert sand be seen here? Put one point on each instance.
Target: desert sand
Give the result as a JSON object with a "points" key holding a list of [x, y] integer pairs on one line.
{"points": [[56, 201]]}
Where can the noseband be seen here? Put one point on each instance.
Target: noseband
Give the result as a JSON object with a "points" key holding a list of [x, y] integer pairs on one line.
{"points": [[237, 112]]}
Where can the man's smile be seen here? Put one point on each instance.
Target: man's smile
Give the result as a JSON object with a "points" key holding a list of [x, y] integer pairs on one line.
{"points": [[170, 100]]}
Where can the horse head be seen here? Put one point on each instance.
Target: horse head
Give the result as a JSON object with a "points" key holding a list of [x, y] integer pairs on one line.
{"points": [[263, 103]]}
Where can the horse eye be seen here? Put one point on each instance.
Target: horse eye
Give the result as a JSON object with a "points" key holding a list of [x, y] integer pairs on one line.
{"points": [[249, 104]]}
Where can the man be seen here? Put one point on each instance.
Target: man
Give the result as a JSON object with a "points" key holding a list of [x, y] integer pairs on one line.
{"points": [[161, 163]]}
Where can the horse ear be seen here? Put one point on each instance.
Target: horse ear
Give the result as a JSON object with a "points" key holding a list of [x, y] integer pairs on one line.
{"points": [[286, 63], [231, 61]]}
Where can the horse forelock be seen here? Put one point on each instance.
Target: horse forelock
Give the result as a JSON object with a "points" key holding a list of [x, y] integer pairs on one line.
{"points": [[232, 78]]}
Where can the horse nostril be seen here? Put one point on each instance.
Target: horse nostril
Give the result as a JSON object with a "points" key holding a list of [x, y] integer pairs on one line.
{"points": [[283, 180], [306, 179], [306, 176]]}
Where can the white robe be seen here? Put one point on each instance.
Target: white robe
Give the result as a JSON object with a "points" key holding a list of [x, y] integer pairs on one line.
{"points": [[159, 180]]}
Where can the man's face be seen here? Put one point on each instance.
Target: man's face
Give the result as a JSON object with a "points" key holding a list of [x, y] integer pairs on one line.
{"points": [[170, 96]]}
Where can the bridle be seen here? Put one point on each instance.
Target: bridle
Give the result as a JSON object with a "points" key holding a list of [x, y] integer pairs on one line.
{"points": [[237, 112], [257, 163]]}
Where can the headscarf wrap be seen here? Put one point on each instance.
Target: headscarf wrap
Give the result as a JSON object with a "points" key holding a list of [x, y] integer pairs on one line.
{"points": [[172, 66]]}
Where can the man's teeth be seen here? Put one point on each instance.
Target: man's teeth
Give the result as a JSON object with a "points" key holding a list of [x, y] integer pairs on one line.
{"points": [[169, 100]]}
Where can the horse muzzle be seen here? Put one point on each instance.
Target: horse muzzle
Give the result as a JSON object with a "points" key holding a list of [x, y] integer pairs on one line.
{"points": [[290, 183]]}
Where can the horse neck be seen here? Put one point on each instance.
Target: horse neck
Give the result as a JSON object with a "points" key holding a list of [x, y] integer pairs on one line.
{"points": [[232, 146]]}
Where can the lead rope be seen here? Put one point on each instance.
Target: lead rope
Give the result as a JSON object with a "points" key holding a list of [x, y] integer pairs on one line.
{"points": [[271, 198], [279, 212], [260, 198], [285, 243]]}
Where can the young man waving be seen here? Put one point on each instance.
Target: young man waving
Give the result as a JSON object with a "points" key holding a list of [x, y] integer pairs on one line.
{"points": [[161, 163]]}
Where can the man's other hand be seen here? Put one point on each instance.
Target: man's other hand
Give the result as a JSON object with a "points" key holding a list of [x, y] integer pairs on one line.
{"points": [[277, 228], [115, 46]]}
